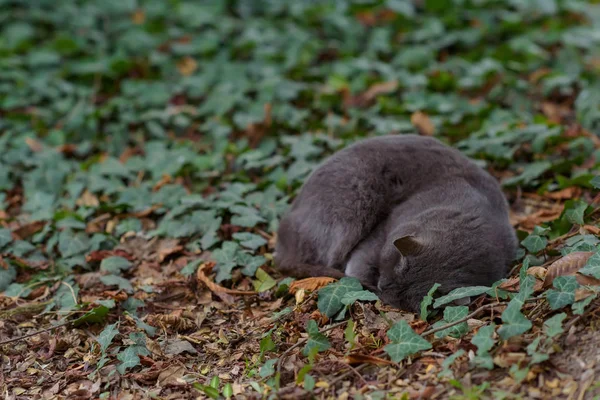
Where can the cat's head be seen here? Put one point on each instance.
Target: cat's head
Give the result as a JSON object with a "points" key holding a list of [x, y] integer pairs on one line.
{"points": [[415, 262]]}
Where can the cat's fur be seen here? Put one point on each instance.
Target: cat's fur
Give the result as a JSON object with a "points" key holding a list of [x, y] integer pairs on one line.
{"points": [[400, 213]]}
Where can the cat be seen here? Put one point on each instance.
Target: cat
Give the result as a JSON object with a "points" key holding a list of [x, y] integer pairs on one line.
{"points": [[400, 213]]}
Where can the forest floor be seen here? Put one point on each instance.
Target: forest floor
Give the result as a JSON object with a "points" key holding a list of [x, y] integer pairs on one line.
{"points": [[149, 148]]}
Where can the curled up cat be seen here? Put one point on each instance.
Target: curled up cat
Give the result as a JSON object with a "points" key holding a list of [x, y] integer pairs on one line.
{"points": [[400, 213]]}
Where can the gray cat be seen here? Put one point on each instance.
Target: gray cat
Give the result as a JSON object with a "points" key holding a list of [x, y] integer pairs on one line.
{"points": [[399, 213]]}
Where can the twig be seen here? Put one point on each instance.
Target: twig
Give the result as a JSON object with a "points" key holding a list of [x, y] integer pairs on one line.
{"points": [[302, 341], [34, 333], [468, 317]]}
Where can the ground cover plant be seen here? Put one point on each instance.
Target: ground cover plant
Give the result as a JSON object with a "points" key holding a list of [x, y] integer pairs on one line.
{"points": [[148, 149]]}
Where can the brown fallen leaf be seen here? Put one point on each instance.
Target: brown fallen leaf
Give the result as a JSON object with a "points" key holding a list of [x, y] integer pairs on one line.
{"points": [[367, 359], [587, 280], [88, 199], [172, 376], [186, 66], [138, 17], [423, 123], [311, 284], [27, 230], [168, 247], [215, 288], [367, 97], [99, 255], [592, 229], [567, 265], [565, 194]]}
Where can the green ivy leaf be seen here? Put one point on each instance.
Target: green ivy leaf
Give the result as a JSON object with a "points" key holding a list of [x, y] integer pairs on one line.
{"points": [[460, 293], [564, 294], [427, 300], [316, 340], [579, 306], [107, 335], [513, 321], [249, 240], [263, 281], [226, 258], [115, 264], [446, 372], [330, 297], [592, 267], [452, 314], [553, 326], [95, 316], [268, 368], [5, 237], [361, 295], [7, 276], [114, 280], [70, 244], [405, 342], [534, 243], [484, 341], [575, 213], [596, 181]]}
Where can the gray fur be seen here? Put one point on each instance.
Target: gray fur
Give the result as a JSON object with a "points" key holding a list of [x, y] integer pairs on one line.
{"points": [[408, 193]]}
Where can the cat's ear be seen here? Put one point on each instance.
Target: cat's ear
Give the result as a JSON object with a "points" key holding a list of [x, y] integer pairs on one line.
{"points": [[408, 245]]}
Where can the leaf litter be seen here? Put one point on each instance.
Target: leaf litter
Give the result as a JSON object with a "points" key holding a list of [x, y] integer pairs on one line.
{"points": [[141, 186]]}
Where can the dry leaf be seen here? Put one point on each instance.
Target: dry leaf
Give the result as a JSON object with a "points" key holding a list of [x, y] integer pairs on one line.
{"points": [[505, 360], [423, 123], [172, 376], [168, 247], [565, 194], [138, 17], [583, 293], [567, 265], [592, 229], [368, 96], [27, 230], [310, 284], [88, 199], [538, 272], [587, 280], [187, 66], [366, 359], [215, 288], [34, 145]]}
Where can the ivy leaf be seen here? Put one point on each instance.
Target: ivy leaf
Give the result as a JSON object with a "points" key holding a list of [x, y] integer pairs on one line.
{"points": [[7, 276], [575, 213], [553, 326], [427, 300], [579, 306], [513, 321], [362, 295], [264, 281], [94, 316], [536, 357], [596, 182], [484, 341], [246, 217], [460, 293], [107, 335], [5, 237], [114, 264], [70, 244], [250, 240], [114, 280], [405, 342], [330, 297], [316, 340], [268, 368], [564, 293], [592, 267], [446, 372], [535, 243], [226, 258], [452, 314]]}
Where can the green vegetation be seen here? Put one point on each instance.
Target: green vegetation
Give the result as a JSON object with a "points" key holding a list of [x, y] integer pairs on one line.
{"points": [[148, 149]]}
